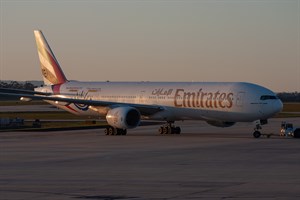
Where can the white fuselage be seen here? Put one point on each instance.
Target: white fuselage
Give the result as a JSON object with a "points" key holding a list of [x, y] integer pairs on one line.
{"points": [[230, 102]]}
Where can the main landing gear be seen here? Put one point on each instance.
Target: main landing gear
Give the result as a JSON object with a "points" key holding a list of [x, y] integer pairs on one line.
{"points": [[114, 131], [169, 128]]}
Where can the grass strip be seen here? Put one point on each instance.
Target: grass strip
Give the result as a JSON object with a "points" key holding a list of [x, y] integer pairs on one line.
{"points": [[40, 115], [291, 107], [57, 125]]}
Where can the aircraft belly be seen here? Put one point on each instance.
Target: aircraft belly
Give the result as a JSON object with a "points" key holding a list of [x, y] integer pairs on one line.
{"points": [[80, 110], [175, 114]]}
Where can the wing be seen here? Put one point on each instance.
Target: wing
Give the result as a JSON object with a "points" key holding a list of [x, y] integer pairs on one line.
{"points": [[33, 95], [20, 91]]}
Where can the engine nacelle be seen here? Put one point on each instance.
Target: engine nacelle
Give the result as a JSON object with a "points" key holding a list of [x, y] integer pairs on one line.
{"points": [[220, 123], [123, 117]]}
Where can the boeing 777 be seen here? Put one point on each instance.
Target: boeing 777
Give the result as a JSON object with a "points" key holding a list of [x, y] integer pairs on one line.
{"points": [[125, 104]]}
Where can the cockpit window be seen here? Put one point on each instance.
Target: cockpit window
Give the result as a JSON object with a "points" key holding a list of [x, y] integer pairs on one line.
{"points": [[267, 97]]}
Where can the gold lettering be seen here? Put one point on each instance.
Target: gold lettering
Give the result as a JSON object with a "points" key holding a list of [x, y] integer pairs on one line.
{"points": [[189, 97], [221, 99], [229, 99], [177, 96], [198, 98], [203, 94], [208, 102], [201, 99], [215, 99]]}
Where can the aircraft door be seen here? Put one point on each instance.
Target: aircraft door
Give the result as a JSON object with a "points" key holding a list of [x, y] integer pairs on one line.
{"points": [[240, 99], [142, 98]]}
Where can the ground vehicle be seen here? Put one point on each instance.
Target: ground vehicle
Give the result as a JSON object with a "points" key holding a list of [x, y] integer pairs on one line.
{"points": [[14, 122], [286, 129], [297, 133]]}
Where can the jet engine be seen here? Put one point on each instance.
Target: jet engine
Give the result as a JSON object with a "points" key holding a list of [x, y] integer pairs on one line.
{"points": [[123, 117], [220, 123]]}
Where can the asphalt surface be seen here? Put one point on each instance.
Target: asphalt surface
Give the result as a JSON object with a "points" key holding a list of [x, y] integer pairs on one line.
{"points": [[203, 162]]}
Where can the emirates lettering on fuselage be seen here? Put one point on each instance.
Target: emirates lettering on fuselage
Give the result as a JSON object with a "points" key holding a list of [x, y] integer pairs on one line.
{"points": [[202, 99]]}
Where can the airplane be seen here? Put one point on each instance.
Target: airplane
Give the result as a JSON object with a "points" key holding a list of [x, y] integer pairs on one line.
{"points": [[125, 104]]}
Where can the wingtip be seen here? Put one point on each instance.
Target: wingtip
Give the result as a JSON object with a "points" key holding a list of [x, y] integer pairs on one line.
{"points": [[37, 31]]}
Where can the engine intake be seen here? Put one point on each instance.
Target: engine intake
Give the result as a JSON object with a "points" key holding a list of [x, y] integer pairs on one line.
{"points": [[123, 117]]}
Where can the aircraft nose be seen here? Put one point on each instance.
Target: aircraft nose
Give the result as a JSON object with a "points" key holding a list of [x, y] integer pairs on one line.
{"points": [[271, 109], [277, 106]]}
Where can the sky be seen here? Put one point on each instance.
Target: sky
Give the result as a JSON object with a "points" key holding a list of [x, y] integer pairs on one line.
{"points": [[255, 41]]}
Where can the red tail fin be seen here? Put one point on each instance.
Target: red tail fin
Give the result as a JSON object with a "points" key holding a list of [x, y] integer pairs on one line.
{"points": [[52, 73]]}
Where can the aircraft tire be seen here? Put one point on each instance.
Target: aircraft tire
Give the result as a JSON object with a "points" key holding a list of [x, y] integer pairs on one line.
{"points": [[165, 130], [256, 134], [177, 130], [172, 130], [169, 130], [111, 131], [123, 131], [118, 131], [161, 130]]}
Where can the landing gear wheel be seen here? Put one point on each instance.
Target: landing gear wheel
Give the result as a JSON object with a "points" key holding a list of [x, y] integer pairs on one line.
{"points": [[114, 131], [256, 134], [161, 130], [123, 131], [169, 128], [177, 130], [166, 130], [258, 127], [118, 131], [111, 131]]}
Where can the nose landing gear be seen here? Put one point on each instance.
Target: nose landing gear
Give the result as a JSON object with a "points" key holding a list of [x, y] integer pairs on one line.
{"points": [[258, 127], [256, 132]]}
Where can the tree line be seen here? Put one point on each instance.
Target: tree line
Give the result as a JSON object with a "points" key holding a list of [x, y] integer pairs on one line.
{"points": [[289, 96], [17, 85], [284, 96]]}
